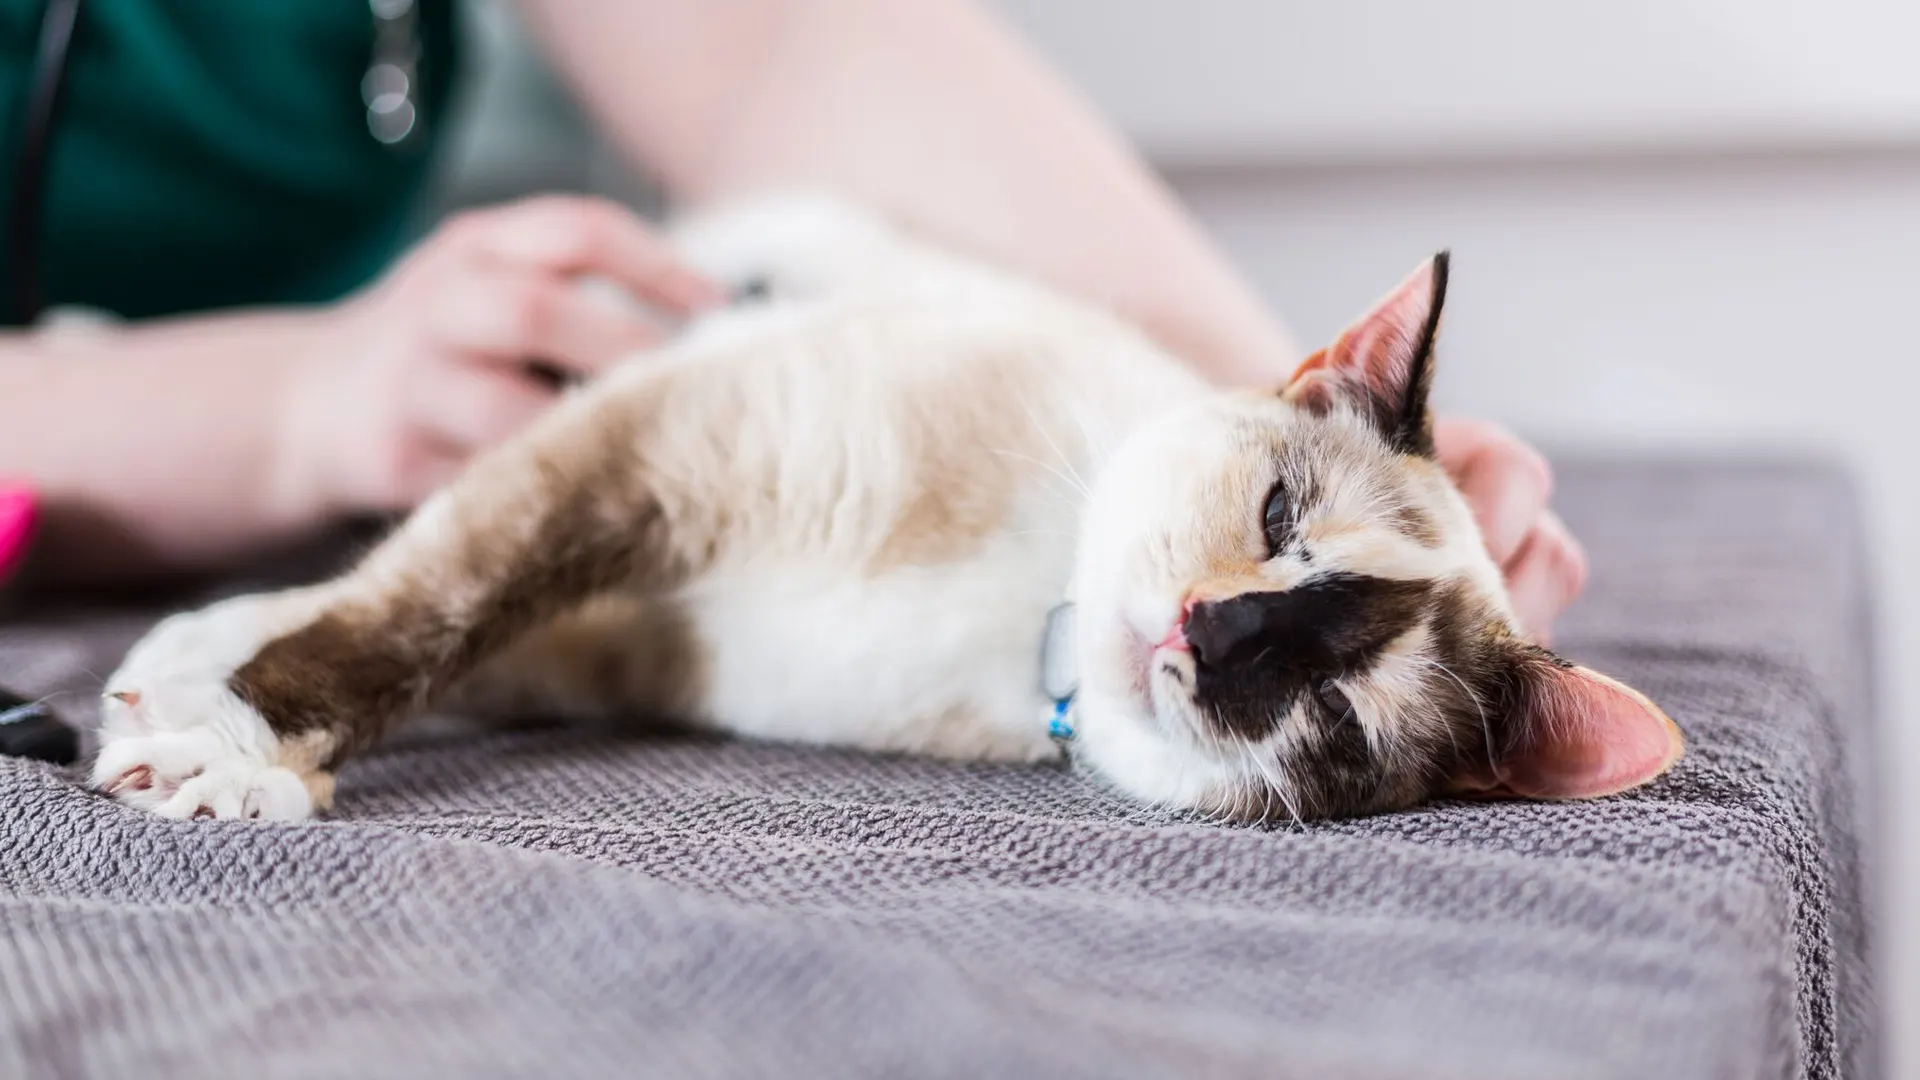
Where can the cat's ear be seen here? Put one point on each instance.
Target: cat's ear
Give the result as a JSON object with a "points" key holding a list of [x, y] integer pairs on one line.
{"points": [[1572, 733], [1383, 364]]}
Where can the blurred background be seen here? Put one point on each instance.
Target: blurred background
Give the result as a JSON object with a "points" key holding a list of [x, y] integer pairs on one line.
{"points": [[1677, 224]]}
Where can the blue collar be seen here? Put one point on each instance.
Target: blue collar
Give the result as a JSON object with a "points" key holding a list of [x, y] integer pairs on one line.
{"points": [[1059, 669]]}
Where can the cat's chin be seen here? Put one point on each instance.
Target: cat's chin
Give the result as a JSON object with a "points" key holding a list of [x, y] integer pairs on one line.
{"points": [[1144, 751]]}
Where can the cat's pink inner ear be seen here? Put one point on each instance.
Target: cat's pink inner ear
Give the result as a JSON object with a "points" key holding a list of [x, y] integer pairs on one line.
{"points": [[1587, 736], [1378, 351]]}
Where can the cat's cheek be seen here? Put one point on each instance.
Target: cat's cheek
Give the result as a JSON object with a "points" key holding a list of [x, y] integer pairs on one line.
{"points": [[1176, 712], [1123, 744]]}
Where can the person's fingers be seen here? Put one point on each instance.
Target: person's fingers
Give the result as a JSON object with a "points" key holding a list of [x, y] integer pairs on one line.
{"points": [[569, 235], [1506, 482], [1545, 575], [465, 408], [514, 315]]}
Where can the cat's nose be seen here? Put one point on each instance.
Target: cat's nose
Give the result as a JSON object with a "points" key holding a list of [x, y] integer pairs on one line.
{"points": [[1215, 628]]}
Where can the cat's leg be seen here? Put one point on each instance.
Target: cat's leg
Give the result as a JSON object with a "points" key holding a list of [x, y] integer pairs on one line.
{"points": [[620, 657], [244, 709]]}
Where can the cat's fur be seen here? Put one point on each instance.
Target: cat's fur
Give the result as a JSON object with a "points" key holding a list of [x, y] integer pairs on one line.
{"points": [[842, 516]]}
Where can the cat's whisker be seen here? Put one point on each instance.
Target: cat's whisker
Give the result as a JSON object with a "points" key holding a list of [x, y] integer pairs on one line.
{"points": [[1453, 740], [1065, 499], [1096, 449], [1074, 484], [1272, 779], [1486, 729], [1277, 783], [1047, 434]]}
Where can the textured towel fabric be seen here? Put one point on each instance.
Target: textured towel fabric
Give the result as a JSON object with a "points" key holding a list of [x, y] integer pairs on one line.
{"points": [[560, 904]]}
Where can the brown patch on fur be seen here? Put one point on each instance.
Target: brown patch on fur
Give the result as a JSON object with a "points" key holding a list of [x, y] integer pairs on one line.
{"points": [[619, 656], [1417, 525], [319, 789], [985, 448], [936, 527], [307, 755], [307, 752], [530, 531]]}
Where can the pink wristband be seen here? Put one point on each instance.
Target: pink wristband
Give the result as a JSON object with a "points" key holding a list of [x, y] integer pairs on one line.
{"points": [[18, 509]]}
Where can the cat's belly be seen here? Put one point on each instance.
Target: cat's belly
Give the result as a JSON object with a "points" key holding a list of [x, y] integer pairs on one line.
{"points": [[941, 660]]}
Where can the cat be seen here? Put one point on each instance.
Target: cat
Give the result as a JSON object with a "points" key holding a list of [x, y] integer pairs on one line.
{"points": [[857, 510]]}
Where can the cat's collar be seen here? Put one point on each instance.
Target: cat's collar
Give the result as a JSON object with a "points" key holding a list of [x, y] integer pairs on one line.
{"points": [[1059, 669]]}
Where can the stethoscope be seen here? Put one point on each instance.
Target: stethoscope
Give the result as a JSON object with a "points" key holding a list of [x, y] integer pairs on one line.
{"points": [[46, 79]]}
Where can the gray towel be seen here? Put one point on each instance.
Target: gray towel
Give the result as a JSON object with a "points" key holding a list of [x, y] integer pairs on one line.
{"points": [[558, 904]]}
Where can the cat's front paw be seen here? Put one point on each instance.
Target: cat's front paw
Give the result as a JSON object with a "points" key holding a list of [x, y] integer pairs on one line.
{"points": [[179, 742], [196, 774]]}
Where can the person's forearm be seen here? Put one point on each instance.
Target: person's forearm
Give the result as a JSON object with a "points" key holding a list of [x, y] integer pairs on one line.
{"points": [[929, 110], [155, 448]]}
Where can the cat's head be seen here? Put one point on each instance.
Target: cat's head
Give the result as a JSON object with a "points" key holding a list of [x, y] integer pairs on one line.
{"points": [[1286, 609]]}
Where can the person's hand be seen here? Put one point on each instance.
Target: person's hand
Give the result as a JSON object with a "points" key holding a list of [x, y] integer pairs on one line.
{"points": [[1507, 483], [455, 348]]}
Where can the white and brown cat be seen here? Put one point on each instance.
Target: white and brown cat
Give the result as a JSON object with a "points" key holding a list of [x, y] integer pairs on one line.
{"points": [[843, 516]]}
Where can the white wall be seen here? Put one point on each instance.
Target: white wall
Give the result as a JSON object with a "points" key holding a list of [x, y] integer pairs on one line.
{"points": [[1305, 81]]}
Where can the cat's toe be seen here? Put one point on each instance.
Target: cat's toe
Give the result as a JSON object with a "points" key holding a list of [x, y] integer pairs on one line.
{"points": [[190, 775], [234, 791], [146, 770], [189, 749], [138, 778]]}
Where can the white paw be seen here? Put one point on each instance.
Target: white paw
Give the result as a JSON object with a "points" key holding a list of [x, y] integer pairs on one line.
{"points": [[177, 741], [193, 774]]}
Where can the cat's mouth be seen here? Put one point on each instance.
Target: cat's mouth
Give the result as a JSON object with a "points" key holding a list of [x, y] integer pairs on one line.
{"points": [[1146, 654], [1166, 688]]}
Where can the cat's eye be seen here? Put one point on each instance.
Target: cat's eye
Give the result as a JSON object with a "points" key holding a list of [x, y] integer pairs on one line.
{"points": [[1333, 701], [1277, 521]]}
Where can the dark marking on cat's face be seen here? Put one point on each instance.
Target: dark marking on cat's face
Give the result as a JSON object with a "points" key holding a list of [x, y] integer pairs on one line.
{"points": [[1345, 727], [1259, 652], [1434, 712]]}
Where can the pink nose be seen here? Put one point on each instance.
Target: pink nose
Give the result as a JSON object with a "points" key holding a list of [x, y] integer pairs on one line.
{"points": [[1176, 638]]}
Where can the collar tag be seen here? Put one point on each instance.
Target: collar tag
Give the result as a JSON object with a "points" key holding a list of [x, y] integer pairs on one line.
{"points": [[1059, 662], [1060, 724]]}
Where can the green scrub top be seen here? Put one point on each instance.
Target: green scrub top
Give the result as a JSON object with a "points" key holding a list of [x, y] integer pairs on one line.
{"points": [[214, 153]]}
